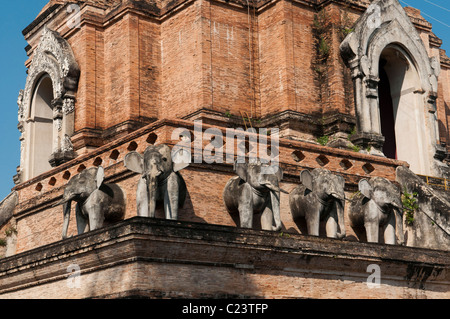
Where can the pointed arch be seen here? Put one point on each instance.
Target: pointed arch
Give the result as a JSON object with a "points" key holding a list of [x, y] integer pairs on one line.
{"points": [[53, 68], [385, 24]]}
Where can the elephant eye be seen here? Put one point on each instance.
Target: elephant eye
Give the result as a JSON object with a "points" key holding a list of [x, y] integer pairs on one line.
{"points": [[164, 159]]}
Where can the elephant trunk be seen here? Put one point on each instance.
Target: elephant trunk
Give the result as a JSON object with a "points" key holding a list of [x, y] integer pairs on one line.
{"points": [[340, 215], [66, 210], [152, 184], [275, 201], [68, 197], [274, 188], [66, 202]]}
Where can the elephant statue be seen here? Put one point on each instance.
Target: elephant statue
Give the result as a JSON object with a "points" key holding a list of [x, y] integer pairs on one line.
{"points": [[7, 207], [253, 192], [160, 180], [378, 203], [320, 197], [97, 201]]}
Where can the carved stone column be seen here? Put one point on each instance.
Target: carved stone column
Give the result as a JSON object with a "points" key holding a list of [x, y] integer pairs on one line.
{"points": [[361, 114], [57, 124], [373, 104], [63, 129], [69, 111], [369, 136], [18, 177]]}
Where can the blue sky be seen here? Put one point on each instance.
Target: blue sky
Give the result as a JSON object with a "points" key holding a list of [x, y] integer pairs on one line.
{"points": [[16, 15]]}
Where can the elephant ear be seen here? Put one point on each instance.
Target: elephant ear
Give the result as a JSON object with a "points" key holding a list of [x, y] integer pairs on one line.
{"points": [[306, 179], [181, 158], [100, 178], [241, 170], [365, 188], [134, 162]]}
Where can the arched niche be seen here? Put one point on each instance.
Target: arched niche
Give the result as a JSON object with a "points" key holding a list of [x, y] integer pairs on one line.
{"points": [[401, 105], [40, 126], [53, 70], [383, 34]]}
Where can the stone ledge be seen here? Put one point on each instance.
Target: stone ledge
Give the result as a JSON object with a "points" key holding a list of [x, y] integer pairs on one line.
{"points": [[148, 246]]}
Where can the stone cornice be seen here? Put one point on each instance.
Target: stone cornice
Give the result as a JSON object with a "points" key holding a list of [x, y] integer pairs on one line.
{"points": [[162, 11], [143, 241], [445, 60], [44, 16]]}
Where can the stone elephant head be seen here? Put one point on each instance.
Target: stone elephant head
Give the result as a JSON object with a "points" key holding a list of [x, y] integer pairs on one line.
{"points": [[320, 196], [255, 190], [97, 201], [378, 204], [160, 180]]}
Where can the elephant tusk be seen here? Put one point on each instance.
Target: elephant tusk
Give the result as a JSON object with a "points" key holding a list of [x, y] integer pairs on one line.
{"points": [[273, 188], [339, 197], [60, 203]]}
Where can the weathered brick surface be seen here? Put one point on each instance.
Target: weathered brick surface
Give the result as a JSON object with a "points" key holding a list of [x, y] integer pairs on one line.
{"points": [[146, 61], [166, 63], [155, 258], [205, 183]]}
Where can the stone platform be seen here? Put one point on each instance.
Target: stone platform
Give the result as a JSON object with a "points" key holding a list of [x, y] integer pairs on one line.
{"points": [[154, 258]]}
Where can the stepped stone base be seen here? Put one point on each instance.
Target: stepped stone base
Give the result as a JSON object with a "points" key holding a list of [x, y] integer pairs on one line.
{"points": [[154, 258]]}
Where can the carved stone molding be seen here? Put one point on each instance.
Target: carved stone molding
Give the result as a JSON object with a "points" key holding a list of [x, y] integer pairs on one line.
{"points": [[371, 141], [385, 24], [68, 105], [53, 56]]}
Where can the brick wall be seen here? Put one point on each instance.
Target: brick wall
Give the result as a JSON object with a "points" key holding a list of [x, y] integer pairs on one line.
{"points": [[144, 62], [139, 67], [165, 259], [39, 223]]}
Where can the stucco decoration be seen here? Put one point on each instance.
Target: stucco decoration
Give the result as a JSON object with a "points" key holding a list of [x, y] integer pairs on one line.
{"points": [[53, 57], [386, 24]]}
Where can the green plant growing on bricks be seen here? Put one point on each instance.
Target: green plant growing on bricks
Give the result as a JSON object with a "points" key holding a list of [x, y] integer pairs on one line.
{"points": [[323, 140], [410, 206]]}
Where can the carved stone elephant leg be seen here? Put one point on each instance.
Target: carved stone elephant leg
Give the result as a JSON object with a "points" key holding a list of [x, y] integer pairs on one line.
{"points": [[389, 231], [246, 207], [332, 224], [372, 221], [313, 220], [335, 226], [372, 232], [267, 218], [142, 199], [96, 213]]}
